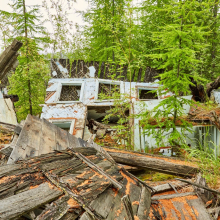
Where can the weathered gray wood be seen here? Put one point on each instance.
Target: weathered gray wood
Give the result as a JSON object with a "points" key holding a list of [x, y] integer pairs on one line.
{"points": [[166, 187], [152, 163], [6, 150], [128, 207], [48, 138], [200, 186], [199, 209], [144, 204], [56, 210], [28, 141], [61, 139], [18, 204], [7, 126], [171, 196], [96, 168], [213, 210], [103, 203], [7, 56]]}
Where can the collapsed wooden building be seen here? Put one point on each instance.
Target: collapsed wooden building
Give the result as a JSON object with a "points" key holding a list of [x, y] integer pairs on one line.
{"points": [[48, 173]]}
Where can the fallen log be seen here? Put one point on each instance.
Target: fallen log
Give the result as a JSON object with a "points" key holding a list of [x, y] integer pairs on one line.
{"points": [[161, 164]]}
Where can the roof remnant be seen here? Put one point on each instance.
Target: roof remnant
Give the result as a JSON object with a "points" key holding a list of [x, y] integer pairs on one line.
{"points": [[53, 175], [86, 182]]}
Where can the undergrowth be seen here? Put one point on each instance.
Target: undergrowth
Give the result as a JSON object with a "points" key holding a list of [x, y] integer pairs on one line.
{"points": [[207, 161]]}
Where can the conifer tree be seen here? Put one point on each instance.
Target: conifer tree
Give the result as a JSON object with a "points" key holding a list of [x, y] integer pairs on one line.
{"points": [[31, 74], [179, 41]]}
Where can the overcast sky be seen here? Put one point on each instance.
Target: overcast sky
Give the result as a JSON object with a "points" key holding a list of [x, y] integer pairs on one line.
{"points": [[80, 5]]}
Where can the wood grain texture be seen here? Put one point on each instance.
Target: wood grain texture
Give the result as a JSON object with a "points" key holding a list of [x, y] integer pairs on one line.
{"points": [[18, 204]]}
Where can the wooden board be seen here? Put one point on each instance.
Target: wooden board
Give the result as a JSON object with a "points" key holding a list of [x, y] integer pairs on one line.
{"points": [[21, 203], [38, 136]]}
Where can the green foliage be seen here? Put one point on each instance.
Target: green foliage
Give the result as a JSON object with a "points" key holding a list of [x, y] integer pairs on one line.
{"points": [[31, 75], [29, 81], [207, 162], [179, 42], [120, 109]]}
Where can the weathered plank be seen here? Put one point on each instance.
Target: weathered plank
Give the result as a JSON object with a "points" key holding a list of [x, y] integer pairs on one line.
{"points": [[199, 209], [103, 203], [48, 137], [57, 209], [18, 204], [7, 56], [171, 196], [144, 204], [28, 141]]}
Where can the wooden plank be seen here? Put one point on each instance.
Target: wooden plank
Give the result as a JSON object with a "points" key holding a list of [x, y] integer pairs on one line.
{"points": [[128, 207], [18, 204], [61, 139], [199, 209], [56, 210], [171, 196], [104, 203], [48, 137], [99, 170], [167, 187], [144, 204], [28, 141], [7, 55]]}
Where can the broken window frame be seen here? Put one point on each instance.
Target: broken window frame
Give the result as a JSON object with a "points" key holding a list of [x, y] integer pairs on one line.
{"points": [[98, 81], [63, 121], [74, 83], [138, 88]]}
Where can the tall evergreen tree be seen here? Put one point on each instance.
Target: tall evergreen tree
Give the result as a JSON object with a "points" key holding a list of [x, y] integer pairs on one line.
{"points": [[179, 41], [27, 29]]}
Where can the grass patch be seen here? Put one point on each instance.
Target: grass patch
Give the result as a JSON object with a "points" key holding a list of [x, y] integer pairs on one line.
{"points": [[207, 162]]}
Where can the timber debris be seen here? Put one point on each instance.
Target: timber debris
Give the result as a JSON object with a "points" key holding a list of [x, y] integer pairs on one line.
{"points": [[53, 175]]}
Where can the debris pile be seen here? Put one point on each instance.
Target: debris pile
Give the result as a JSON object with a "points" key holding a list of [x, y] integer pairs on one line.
{"points": [[53, 175]]}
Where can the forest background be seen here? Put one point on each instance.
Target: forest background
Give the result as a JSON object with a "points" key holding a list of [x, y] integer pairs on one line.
{"points": [[179, 37]]}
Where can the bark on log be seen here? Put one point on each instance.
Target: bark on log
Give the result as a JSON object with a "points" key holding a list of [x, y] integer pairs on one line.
{"points": [[156, 163], [198, 91]]}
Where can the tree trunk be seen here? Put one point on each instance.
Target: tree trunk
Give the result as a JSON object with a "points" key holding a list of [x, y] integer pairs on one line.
{"points": [[160, 164]]}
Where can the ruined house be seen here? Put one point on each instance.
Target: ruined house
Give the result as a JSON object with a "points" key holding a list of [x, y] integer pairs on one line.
{"points": [[72, 100]]}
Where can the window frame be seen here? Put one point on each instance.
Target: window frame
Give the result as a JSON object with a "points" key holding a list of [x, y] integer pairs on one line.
{"points": [[145, 88], [98, 81], [62, 121], [74, 83]]}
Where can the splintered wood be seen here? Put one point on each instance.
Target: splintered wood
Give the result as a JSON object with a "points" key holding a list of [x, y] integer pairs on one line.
{"points": [[70, 186]]}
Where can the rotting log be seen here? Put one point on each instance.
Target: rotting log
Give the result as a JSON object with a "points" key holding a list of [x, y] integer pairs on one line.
{"points": [[8, 57], [161, 164]]}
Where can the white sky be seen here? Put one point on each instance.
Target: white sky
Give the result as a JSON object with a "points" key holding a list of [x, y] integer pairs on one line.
{"points": [[76, 18]]}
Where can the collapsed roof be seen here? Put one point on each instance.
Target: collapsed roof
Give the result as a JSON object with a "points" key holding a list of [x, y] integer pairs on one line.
{"points": [[53, 175]]}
